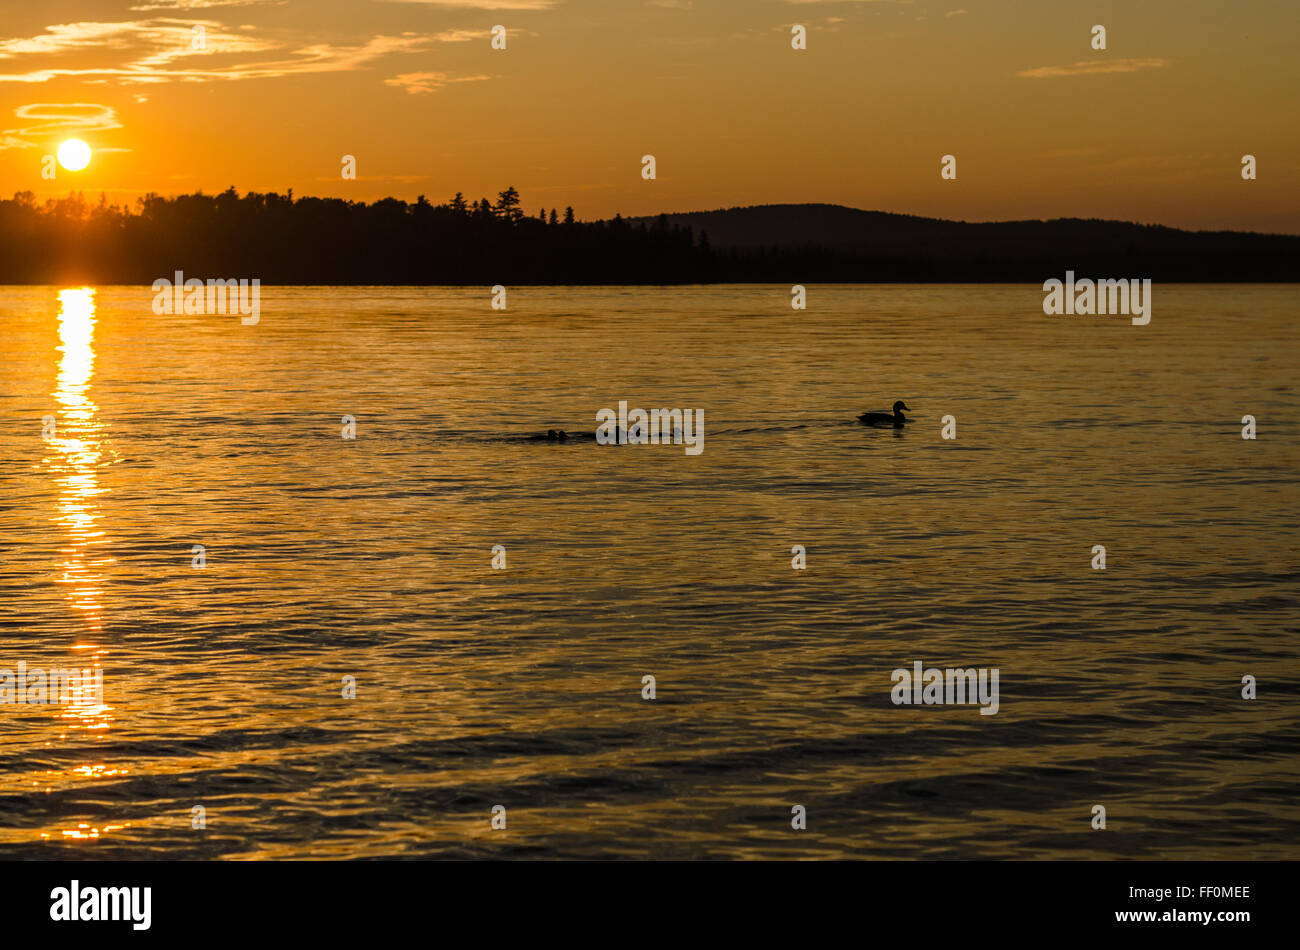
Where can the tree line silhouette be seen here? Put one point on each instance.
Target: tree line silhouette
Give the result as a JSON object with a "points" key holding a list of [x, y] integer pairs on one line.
{"points": [[283, 240]]}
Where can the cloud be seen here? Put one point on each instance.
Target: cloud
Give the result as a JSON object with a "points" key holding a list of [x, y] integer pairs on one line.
{"points": [[160, 40], [58, 118], [483, 4], [420, 83], [459, 36], [67, 37], [159, 44], [202, 4], [66, 117], [1093, 66]]}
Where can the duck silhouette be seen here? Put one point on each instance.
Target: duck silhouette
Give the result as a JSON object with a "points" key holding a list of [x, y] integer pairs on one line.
{"points": [[895, 419]]}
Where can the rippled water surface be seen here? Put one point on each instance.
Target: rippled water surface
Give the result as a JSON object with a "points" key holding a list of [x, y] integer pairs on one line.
{"points": [[522, 687]]}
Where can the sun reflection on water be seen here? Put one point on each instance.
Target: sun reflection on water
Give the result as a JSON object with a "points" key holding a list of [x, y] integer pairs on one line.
{"points": [[78, 442]]}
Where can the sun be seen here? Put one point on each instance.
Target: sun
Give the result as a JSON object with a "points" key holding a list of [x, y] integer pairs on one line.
{"points": [[74, 155]]}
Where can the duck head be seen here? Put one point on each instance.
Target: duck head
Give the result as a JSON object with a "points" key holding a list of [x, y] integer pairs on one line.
{"points": [[899, 407]]}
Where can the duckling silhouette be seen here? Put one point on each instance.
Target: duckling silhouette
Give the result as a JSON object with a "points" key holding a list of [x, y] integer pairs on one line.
{"points": [[552, 435], [896, 419]]}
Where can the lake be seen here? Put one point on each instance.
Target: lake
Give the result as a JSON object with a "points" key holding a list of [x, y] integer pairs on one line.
{"points": [[324, 557]]}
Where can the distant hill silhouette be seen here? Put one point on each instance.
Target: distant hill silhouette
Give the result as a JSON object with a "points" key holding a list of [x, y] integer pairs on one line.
{"points": [[797, 225], [834, 240], [280, 239]]}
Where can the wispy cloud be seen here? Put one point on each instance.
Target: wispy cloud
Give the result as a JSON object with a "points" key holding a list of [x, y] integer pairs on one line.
{"points": [[58, 118], [420, 83], [159, 40], [459, 36], [161, 50], [1089, 67], [204, 4], [483, 4]]}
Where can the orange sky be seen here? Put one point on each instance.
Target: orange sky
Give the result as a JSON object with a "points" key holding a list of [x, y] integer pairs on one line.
{"points": [[1151, 129]]}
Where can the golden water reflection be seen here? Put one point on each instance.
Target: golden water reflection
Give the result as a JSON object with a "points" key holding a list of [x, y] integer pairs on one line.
{"points": [[77, 438]]}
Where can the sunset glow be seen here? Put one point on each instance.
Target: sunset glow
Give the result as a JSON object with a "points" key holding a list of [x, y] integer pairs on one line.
{"points": [[1151, 129]]}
